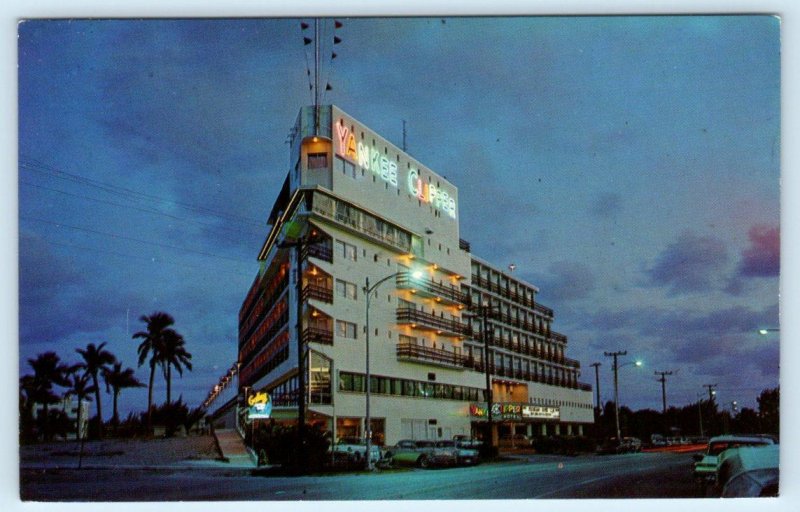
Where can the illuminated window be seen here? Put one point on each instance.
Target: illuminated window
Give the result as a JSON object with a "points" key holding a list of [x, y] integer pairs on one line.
{"points": [[317, 160]]}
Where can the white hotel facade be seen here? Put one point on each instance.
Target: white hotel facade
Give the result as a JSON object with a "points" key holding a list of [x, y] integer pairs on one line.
{"points": [[365, 209]]}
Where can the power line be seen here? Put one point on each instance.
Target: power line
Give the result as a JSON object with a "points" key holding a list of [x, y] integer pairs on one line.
{"points": [[137, 208], [37, 166], [115, 235], [145, 258]]}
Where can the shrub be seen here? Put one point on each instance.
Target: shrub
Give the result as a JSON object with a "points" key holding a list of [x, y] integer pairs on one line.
{"points": [[280, 444], [567, 445]]}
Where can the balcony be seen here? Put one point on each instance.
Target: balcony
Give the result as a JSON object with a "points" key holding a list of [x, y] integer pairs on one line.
{"points": [[573, 363], [320, 251], [421, 320], [463, 245], [316, 335], [558, 337], [427, 288], [320, 293], [529, 302], [437, 356]]}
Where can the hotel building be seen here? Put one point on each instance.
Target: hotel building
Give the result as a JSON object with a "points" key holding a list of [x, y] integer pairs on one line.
{"points": [[355, 207]]}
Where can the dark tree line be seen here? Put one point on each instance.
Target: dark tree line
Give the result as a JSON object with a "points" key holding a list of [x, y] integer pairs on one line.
{"points": [[704, 418], [52, 381]]}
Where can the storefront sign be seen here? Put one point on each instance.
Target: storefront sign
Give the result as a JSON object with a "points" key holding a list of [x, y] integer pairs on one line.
{"points": [[259, 406], [511, 411], [540, 412], [372, 160]]}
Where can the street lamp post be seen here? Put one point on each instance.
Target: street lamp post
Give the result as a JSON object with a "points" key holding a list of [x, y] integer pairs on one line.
{"points": [[367, 420]]}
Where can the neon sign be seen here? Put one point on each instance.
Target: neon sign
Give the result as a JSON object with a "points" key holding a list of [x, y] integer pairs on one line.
{"points": [[368, 158], [430, 193], [512, 411], [260, 406]]}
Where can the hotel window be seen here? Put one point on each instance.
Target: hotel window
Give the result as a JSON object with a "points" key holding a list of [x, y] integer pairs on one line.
{"points": [[345, 329], [407, 340], [345, 289], [405, 304], [347, 251], [317, 160]]}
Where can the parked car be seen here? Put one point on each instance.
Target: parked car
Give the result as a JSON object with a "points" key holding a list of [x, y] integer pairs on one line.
{"points": [[515, 441], [467, 441], [658, 440], [354, 449], [613, 446], [750, 471], [421, 453], [465, 455], [705, 466]]}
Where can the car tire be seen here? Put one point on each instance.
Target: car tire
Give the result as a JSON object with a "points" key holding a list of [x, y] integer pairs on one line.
{"points": [[423, 462]]}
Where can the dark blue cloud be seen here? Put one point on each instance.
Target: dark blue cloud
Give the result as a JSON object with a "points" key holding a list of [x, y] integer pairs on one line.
{"points": [[606, 205], [763, 257], [566, 281], [689, 264]]}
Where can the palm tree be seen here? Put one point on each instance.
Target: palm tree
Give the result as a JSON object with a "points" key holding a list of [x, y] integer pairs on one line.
{"points": [[158, 326], [79, 387], [95, 361], [174, 354], [48, 370], [118, 379]]}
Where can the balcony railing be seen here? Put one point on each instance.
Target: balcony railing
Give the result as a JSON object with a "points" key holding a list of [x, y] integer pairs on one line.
{"points": [[529, 302], [463, 245], [320, 251], [427, 320], [429, 355], [428, 288], [316, 335], [557, 336], [320, 293]]}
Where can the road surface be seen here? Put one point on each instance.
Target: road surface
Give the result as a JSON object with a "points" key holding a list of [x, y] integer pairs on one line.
{"points": [[642, 475]]}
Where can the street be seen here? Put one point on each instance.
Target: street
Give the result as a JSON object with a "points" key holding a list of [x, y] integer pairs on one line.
{"points": [[641, 475]]}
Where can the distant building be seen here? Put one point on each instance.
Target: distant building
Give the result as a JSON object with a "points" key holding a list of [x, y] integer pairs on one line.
{"points": [[69, 406], [373, 211]]}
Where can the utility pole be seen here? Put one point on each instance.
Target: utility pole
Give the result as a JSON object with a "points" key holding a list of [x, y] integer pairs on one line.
{"points": [[489, 441], [298, 245], [711, 392], [663, 381], [615, 368]]}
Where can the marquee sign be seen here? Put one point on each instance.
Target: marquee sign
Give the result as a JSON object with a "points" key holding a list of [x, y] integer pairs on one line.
{"points": [[510, 411], [371, 159]]}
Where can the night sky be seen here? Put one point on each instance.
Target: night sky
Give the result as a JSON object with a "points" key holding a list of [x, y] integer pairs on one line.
{"points": [[628, 167]]}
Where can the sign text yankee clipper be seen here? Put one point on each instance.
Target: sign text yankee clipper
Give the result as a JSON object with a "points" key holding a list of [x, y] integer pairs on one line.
{"points": [[370, 159]]}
